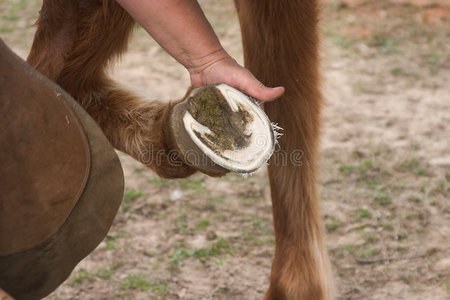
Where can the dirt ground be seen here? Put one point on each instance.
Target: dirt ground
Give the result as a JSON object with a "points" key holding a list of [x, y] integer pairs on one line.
{"points": [[384, 180]]}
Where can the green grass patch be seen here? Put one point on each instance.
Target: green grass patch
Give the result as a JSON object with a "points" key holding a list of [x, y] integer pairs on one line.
{"points": [[415, 199], [333, 226], [387, 225], [159, 181], [80, 277], [261, 225], [348, 248], [365, 172], [383, 198], [370, 237], [217, 200], [373, 183], [367, 164], [104, 273], [397, 71], [347, 169], [447, 287], [217, 248], [367, 252], [223, 290], [383, 43], [110, 245], [181, 223], [134, 282], [421, 172], [118, 234], [129, 196], [159, 287], [233, 178], [192, 185], [434, 62], [362, 213], [202, 224], [409, 164], [339, 39], [439, 188], [402, 235]]}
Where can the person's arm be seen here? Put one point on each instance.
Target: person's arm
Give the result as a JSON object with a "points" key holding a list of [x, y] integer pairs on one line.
{"points": [[182, 29]]}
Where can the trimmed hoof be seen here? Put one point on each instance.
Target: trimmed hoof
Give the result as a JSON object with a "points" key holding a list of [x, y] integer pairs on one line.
{"points": [[219, 129]]}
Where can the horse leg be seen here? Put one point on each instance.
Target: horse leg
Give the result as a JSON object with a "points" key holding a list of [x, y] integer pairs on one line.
{"points": [[74, 44], [280, 41]]}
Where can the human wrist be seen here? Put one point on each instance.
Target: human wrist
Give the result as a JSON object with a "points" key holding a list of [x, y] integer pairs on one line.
{"points": [[197, 65]]}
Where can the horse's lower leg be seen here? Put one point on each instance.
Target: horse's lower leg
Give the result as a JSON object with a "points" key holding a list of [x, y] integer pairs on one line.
{"points": [[280, 42]]}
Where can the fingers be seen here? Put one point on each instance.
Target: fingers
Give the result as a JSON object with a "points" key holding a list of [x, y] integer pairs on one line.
{"points": [[228, 71], [262, 93], [259, 91], [248, 84]]}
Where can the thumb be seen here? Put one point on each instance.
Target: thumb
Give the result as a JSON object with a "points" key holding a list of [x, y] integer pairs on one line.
{"points": [[256, 89]]}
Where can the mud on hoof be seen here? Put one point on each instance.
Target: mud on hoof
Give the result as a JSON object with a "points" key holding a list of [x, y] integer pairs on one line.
{"points": [[219, 129]]}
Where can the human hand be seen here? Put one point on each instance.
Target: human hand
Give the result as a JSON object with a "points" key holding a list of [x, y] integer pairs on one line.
{"points": [[219, 67], [199, 51]]}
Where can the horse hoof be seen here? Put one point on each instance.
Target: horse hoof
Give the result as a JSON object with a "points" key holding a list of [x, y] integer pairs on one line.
{"points": [[220, 129]]}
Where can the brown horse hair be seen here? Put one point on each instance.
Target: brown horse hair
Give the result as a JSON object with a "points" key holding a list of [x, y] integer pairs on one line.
{"points": [[77, 40], [74, 47], [280, 41]]}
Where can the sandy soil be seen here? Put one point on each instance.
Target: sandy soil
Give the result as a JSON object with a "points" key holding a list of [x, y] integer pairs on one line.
{"points": [[384, 179]]}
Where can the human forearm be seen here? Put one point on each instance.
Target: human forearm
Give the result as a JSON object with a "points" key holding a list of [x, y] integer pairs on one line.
{"points": [[180, 27]]}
